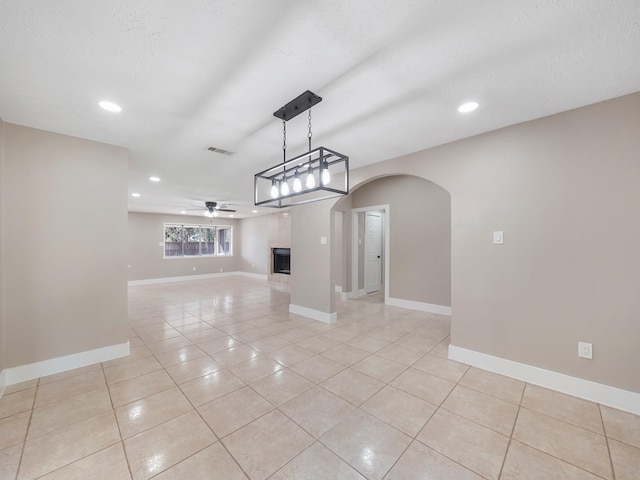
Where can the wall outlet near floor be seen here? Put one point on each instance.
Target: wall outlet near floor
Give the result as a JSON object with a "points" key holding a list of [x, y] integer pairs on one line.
{"points": [[220, 269], [194, 269], [585, 350]]}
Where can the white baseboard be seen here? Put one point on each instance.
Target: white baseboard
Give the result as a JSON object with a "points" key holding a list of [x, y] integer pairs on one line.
{"points": [[28, 372], [356, 294], [314, 314], [423, 307], [153, 281], [578, 387], [257, 276], [3, 381], [343, 295]]}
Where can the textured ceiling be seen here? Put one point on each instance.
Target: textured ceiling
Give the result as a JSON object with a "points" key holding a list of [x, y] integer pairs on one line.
{"points": [[196, 73]]}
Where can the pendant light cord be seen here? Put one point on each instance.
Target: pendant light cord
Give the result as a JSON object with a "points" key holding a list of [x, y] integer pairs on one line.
{"points": [[309, 134], [284, 140]]}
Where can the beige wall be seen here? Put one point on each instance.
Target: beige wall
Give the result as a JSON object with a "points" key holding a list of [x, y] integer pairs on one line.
{"points": [[341, 272], [312, 285], [1, 251], [145, 258], [64, 240], [253, 256], [419, 236], [338, 253], [565, 190]]}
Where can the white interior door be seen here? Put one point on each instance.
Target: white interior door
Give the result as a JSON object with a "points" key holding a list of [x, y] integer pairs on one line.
{"points": [[373, 251]]}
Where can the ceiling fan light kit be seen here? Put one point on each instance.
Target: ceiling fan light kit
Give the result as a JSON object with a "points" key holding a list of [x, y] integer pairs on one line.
{"points": [[211, 209], [318, 174]]}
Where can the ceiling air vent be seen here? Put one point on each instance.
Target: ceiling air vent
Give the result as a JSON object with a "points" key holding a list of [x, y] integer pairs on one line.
{"points": [[219, 150]]}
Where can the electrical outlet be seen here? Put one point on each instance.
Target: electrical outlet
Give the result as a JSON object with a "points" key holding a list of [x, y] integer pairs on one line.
{"points": [[194, 269], [585, 350]]}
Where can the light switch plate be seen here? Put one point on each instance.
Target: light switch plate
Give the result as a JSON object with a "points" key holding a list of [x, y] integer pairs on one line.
{"points": [[498, 237], [323, 240]]}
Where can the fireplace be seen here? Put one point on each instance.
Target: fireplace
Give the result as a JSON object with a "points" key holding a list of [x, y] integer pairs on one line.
{"points": [[282, 260]]}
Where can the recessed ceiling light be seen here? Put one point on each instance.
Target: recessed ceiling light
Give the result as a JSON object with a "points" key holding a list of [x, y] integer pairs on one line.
{"points": [[183, 212], [154, 179], [254, 211], [110, 106], [468, 107], [135, 194]]}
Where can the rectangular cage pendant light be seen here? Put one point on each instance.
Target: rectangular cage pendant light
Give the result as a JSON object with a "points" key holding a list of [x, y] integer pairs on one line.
{"points": [[316, 175]]}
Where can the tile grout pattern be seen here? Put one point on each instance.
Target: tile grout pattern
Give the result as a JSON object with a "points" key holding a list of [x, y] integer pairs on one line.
{"points": [[223, 382]]}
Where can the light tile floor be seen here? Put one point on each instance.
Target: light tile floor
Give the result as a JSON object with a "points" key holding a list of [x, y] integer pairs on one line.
{"points": [[224, 383]]}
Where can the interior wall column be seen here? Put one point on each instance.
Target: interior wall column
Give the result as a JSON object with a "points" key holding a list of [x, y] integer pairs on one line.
{"points": [[312, 292]]}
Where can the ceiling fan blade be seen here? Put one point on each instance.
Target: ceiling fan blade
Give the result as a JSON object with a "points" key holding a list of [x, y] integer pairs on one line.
{"points": [[225, 210]]}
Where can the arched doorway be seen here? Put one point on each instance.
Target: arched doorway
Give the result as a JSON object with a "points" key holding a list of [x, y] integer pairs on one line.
{"points": [[416, 227]]}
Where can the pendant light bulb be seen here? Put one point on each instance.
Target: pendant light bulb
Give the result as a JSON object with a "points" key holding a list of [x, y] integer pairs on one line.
{"points": [[208, 214], [274, 189], [215, 213], [326, 176], [284, 188], [297, 184], [310, 182]]}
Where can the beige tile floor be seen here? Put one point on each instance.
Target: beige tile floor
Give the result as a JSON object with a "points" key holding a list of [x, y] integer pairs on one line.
{"points": [[223, 383]]}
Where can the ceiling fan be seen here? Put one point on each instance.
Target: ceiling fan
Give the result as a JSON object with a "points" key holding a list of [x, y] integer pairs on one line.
{"points": [[211, 209]]}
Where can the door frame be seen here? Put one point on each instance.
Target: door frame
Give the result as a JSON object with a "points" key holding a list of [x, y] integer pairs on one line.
{"points": [[355, 291]]}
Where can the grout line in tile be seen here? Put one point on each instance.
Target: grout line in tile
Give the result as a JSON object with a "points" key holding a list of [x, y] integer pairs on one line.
{"points": [[73, 423], [438, 407], [296, 456], [319, 440], [513, 428], [606, 439], [413, 439], [26, 433], [86, 456], [124, 450], [562, 460], [567, 423], [564, 421]]}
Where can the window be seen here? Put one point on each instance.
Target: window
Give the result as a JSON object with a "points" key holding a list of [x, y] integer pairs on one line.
{"points": [[224, 240], [197, 241], [172, 241]]}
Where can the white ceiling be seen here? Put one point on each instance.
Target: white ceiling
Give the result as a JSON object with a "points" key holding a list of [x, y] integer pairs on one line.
{"points": [[194, 73]]}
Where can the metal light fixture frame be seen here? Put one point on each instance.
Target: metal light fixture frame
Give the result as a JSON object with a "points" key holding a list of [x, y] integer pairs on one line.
{"points": [[310, 162]]}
